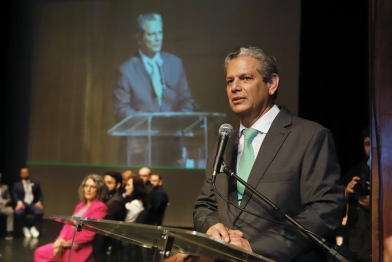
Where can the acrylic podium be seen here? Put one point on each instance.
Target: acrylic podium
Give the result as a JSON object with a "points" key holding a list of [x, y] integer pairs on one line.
{"points": [[168, 124], [163, 241]]}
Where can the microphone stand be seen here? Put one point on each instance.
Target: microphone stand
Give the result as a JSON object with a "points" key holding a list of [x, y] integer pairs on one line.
{"points": [[333, 252]]}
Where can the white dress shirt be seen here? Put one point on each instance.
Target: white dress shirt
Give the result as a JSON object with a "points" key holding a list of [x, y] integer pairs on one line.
{"points": [[263, 124], [29, 198]]}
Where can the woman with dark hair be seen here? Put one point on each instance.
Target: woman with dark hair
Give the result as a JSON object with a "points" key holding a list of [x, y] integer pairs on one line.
{"points": [[91, 192], [136, 191]]}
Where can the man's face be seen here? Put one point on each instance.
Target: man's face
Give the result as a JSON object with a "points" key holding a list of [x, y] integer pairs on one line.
{"points": [[125, 176], [155, 181], [24, 173], [366, 146], [249, 97], [110, 183], [144, 173], [151, 41]]}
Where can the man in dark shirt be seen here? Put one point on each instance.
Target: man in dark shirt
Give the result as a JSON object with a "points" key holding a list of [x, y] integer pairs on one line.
{"points": [[158, 201], [107, 248], [357, 233]]}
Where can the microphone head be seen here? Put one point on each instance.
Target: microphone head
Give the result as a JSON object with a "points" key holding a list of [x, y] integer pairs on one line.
{"points": [[226, 130]]}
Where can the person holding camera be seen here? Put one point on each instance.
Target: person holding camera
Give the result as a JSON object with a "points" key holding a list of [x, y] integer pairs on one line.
{"points": [[357, 231]]}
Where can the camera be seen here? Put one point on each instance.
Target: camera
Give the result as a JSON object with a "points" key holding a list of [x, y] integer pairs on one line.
{"points": [[361, 188]]}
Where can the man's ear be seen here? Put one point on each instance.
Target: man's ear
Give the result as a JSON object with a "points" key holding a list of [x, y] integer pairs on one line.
{"points": [[118, 185], [273, 83]]}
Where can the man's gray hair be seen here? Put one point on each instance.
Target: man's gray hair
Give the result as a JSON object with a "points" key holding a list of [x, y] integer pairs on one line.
{"points": [[143, 19], [267, 64]]}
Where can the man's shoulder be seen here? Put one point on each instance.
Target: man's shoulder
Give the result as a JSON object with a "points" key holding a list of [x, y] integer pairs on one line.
{"points": [[285, 118], [170, 57], [116, 198], [19, 183], [130, 62]]}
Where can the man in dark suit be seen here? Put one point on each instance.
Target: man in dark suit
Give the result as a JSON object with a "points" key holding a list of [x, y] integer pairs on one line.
{"points": [[6, 208], [293, 164], [151, 81], [158, 201], [28, 197]]}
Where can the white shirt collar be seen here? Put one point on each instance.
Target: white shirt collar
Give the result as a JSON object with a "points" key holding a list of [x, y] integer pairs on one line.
{"points": [[263, 124], [157, 58]]}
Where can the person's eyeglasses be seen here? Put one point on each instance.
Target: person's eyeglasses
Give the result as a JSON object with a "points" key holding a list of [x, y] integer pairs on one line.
{"points": [[90, 187]]}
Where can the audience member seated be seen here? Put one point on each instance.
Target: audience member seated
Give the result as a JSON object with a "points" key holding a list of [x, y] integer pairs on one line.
{"points": [[127, 174], [107, 248], [91, 193], [6, 209], [144, 173], [136, 191], [28, 198], [137, 196], [158, 201]]}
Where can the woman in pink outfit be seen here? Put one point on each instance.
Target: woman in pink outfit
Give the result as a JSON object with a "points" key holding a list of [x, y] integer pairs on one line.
{"points": [[91, 192]]}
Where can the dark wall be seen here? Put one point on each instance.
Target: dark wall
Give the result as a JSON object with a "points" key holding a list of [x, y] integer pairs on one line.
{"points": [[333, 82], [18, 30], [334, 72]]}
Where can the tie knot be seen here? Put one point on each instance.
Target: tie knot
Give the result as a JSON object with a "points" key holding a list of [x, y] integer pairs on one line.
{"points": [[250, 133]]}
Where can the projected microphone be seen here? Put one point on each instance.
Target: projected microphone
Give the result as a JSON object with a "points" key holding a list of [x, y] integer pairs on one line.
{"points": [[225, 132], [189, 99]]}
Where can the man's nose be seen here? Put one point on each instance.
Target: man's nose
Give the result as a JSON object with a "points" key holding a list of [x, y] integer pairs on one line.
{"points": [[235, 85]]}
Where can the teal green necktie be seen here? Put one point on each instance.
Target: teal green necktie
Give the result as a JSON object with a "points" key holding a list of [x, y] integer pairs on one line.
{"points": [[156, 81], [246, 161]]}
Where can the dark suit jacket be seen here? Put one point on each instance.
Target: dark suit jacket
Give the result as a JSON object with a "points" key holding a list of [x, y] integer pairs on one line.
{"points": [[116, 207], [134, 92], [158, 200], [297, 169], [19, 192]]}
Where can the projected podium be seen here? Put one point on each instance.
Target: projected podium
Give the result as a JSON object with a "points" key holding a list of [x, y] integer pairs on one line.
{"points": [[168, 124], [163, 241]]}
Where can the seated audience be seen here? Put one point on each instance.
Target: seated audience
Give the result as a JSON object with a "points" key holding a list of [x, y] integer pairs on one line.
{"points": [[106, 248], [136, 194], [28, 198], [158, 200], [115, 201], [144, 173], [6, 209], [127, 174], [91, 193], [136, 191]]}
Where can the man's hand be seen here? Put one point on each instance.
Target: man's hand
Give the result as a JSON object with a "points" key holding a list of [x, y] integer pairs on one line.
{"points": [[364, 201], [19, 205], [39, 205], [228, 235], [238, 241], [5, 202], [350, 187], [219, 231]]}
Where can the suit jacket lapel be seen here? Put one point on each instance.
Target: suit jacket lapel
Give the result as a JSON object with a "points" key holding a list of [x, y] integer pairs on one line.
{"points": [[140, 70], [270, 147], [231, 161]]}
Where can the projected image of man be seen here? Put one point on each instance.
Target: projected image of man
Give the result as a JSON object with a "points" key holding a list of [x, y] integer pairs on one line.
{"points": [[150, 81]]}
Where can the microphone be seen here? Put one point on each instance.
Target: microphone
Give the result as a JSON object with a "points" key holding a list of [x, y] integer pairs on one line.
{"points": [[225, 132]]}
